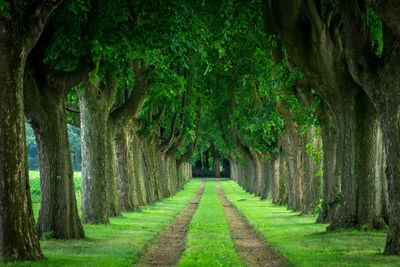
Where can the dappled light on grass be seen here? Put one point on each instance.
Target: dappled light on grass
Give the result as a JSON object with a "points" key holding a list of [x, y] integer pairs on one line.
{"points": [[304, 242]]}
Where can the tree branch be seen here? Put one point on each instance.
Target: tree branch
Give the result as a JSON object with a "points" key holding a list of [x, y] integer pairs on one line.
{"points": [[361, 59], [36, 17], [132, 106], [193, 145]]}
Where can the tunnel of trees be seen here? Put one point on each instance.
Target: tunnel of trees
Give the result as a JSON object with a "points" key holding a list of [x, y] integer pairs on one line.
{"points": [[296, 100]]}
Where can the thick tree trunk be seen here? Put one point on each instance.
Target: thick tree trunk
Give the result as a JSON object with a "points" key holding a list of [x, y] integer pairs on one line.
{"points": [[282, 196], [347, 213], [19, 33], [324, 65], [271, 178], [331, 173], [138, 166], [291, 147], [367, 166], [111, 174], [18, 237], [58, 210], [379, 78], [125, 171], [358, 130], [391, 136], [94, 155], [311, 182]]}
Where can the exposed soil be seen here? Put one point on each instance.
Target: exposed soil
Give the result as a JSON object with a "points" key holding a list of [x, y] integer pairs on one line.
{"points": [[251, 247], [169, 245]]}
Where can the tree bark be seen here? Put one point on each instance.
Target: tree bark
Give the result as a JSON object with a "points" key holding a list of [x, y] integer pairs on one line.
{"points": [[58, 210], [94, 116], [18, 237], [331, 172], [379, 78], [44, 95], [138, 166], [311, 182], [126, 180], [111, 174], [323, 64]]}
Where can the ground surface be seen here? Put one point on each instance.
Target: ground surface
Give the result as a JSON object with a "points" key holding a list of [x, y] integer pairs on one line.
{"points": [[218, 236], [169, 245], [252, 248]]}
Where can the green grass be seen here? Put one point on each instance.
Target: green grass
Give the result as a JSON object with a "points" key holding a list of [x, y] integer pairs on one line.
{"points": [[306, 243], [34, 183], [119, 243], [209, 242]]}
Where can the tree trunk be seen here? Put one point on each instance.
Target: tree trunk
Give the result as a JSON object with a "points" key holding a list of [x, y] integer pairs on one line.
{"points": [[19, 33], [111, 174], [282, 198], [311, 182], [216, 159], [125, 171], [367, 166], [138, 166], [94, 155], [18, 236], [346, 125], [291, 146], [325, 66], [389, 118], [58, 210], [331, 173], [227, 167]]}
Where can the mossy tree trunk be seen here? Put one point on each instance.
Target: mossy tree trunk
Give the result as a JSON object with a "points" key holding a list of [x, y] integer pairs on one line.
{"points": [[126, 180], [379, 77], [325, 67], [18, 237], [331, 172], [44, 95], [58, 210], [95, 103]]}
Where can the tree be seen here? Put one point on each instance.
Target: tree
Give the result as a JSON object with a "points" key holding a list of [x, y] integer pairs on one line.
{"points": [[377, 72], [21, 26], [324, 66]]}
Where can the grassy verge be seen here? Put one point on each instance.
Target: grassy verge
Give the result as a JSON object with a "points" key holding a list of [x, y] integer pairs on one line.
{"points": [[306, 243], [118, 243], [209, 242]]}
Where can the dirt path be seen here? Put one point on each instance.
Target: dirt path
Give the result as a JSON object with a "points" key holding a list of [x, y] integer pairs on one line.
{"points": [[251, 247], [169, 245]]}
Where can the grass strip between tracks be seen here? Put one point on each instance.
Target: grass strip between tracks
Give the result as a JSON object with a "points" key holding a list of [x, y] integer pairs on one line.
{"points": [[209, 242]]}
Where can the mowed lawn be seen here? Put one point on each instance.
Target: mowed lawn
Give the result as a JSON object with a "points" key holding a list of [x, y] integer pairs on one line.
{"points": [[116, 244], [304, 242], [209, 242]]}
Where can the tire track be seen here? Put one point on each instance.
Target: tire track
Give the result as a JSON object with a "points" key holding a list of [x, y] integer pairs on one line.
{"points": [[169, 245], [251, 247]]}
